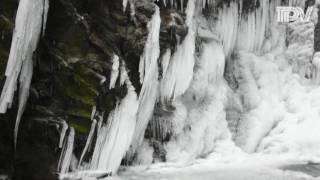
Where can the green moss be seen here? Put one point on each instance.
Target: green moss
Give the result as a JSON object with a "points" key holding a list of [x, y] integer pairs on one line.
{"points": [[80, 127]]}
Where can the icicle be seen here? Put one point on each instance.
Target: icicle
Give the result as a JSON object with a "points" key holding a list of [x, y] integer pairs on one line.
{"points": [[316, 63], [227, 26], [149, 76], [66, 153], [165, 61], [180, 71], [25, 81], [63, 133], [114, 139], [99, 124], [114, 72], [93, 112], [123, 74], [124, 4], [45, 16], [30, 21], [89, 140]]}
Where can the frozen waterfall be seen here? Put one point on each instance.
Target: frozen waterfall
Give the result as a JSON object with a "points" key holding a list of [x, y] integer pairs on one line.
{"points": [[268, 107]]}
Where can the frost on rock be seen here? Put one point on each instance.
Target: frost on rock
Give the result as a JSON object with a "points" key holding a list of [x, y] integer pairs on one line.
{"points": [[29, 24]]}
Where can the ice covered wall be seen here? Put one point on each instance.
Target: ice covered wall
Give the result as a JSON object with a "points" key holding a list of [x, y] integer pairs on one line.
{"points": [[265, 54], [149, 74], [179, 73], [275, 87], [29, 25], [203, 122], [277, 105], [114, 138], [242, 28]]}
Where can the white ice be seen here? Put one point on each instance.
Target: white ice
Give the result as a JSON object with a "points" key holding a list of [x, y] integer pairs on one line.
{"points": [[29, 24], [180, 70], [114, 138], [66, 153], [149, 74], [114, 71]]}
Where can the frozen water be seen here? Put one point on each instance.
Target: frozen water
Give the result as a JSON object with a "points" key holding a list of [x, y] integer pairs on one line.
{"points": [[66, 153], [30, 23], [180, 70], [149, 74]]}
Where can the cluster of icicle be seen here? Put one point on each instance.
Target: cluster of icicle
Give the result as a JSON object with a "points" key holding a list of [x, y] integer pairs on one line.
{"points": [[266, 116], [127, 122], [29, 25], [174, 3], [113, 138]]}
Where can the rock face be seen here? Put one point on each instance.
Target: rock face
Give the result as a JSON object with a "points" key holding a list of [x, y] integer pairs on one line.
{"points": [[71, 74]]}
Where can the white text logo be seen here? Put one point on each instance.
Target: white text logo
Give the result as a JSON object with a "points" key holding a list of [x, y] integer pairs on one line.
{"points": [[291, 14]]}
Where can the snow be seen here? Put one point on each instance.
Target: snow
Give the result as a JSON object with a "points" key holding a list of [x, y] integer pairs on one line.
{"points": [[211, 172]]}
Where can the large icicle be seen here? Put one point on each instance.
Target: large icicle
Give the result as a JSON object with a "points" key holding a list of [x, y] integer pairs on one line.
{"points": [[227, 26], [89, 140], [149, 77], [180, 71], [114, 72], [30, 21], [114, 138], [63, 132], [66, 153]]}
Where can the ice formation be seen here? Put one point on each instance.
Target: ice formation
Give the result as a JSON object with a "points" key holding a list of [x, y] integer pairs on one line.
{"points": [[191, 110], [114, 71], [123, 74], [180, 70], [66, 153], [149, 73], [30, 23], [89, 140], [114, 138], [63, 132]]}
